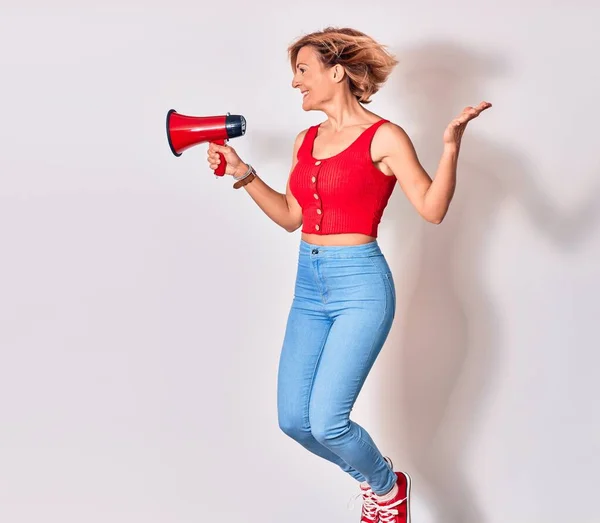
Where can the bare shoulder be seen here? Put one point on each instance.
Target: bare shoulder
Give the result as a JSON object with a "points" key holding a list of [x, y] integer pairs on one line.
{"points": [[298, 141], [388, 137], [390, 132], [300, 137], [297, 144]]}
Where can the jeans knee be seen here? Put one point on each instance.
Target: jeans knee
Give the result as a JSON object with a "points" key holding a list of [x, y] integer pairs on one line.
{"points": [[325, 433], [293, 428]]}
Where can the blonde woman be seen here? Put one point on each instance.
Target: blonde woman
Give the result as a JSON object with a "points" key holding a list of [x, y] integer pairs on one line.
{"points": [[343, 173]]}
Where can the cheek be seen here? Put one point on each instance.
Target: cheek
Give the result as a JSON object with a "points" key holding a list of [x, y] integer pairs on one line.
{"points": [[318, 87], [325, 87]]}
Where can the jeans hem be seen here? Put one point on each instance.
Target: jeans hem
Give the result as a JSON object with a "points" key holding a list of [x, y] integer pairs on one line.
{"points": [[388, 488]]}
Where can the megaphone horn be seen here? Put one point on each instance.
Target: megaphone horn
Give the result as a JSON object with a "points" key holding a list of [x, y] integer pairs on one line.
{"points": [[184, 132]]}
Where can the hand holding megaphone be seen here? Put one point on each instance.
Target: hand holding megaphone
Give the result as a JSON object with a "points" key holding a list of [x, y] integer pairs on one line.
{"points": [[223, 154], [186, 131]]}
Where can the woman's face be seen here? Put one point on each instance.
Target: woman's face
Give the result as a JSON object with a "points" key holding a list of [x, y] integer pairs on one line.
{"points": [[312, 79]]}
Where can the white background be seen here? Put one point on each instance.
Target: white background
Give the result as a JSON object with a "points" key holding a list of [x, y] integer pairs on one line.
{"points": [[143, 301]]}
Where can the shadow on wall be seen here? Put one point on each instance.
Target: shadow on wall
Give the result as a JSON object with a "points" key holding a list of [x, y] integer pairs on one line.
{"points": [[451, 332]]}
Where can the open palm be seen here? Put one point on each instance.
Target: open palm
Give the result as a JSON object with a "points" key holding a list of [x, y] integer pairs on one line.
{"points": [[456, 128]]}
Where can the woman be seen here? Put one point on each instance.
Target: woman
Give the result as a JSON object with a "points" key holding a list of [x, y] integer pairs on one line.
{"points": [[343, 173]]}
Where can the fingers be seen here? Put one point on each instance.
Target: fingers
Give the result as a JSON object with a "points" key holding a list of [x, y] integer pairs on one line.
{"points": [[219, 148], [212, 154], [215, 147], [213, 157], [475, 111], [482, 106], [214, 163], [469, 112]]}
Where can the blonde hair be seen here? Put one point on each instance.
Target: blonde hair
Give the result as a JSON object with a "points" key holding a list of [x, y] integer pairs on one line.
{"points": [[367, 63]]}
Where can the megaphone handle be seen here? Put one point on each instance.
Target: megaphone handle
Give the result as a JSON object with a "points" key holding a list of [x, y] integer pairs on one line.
{"points": [[220, 170]]}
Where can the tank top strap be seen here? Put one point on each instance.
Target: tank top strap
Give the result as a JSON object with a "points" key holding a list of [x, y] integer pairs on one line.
{"points": [[305, 150], [369, 132], [363, 142]]}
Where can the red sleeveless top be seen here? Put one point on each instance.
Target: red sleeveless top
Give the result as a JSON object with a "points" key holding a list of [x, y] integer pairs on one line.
{"points": [[344, 193]]}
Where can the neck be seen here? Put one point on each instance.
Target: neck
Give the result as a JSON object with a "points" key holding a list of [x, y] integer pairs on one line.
{"points": [[344, 110]]}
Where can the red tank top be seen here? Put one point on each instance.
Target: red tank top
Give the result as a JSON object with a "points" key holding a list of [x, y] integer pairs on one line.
{"points": [[344, 193]]}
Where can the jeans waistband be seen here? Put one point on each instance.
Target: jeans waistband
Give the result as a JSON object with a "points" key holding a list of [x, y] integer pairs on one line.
{"points": [[340, 251]]}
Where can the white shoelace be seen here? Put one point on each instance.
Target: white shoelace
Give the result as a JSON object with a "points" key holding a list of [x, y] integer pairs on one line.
{"points": [[370, 507], [387, 513]]}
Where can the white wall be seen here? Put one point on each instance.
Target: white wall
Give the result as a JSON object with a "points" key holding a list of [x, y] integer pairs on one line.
{"points": [[143, 301]]}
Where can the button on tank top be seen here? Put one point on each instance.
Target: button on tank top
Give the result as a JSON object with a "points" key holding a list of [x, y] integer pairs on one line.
{"points": [[344, 193]]}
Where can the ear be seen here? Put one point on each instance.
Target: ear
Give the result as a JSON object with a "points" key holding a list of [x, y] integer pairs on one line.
{"points": [[338, 73]]}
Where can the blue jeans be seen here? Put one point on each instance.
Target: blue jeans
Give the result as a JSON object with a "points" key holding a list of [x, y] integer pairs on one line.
{"points": [[343, 308]]}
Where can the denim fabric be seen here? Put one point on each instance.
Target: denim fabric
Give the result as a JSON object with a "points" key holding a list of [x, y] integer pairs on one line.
{"points": [[343, 308]]}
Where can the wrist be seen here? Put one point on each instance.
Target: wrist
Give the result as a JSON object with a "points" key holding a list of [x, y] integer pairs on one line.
{"points": [[241, 169], [451, 148]]}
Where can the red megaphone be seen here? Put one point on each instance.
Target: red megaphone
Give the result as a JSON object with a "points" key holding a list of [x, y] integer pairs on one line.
{"points": [[185, 131]]}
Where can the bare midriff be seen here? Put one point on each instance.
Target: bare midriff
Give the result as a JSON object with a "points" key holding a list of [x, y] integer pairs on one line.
{"points": [[337, 239]]}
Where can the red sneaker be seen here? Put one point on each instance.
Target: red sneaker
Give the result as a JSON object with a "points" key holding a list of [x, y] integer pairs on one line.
{"points": [[370, 507], [397, 510]]}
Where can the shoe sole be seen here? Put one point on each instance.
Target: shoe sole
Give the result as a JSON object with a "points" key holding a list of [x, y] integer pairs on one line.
{"points": [[408, 482]]}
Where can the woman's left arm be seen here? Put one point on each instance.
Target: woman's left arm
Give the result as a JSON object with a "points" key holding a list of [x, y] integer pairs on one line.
{"points": [[430, 197]]}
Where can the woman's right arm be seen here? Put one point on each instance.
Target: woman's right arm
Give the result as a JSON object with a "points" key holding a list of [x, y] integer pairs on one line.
{"points": [[283, 209]]}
